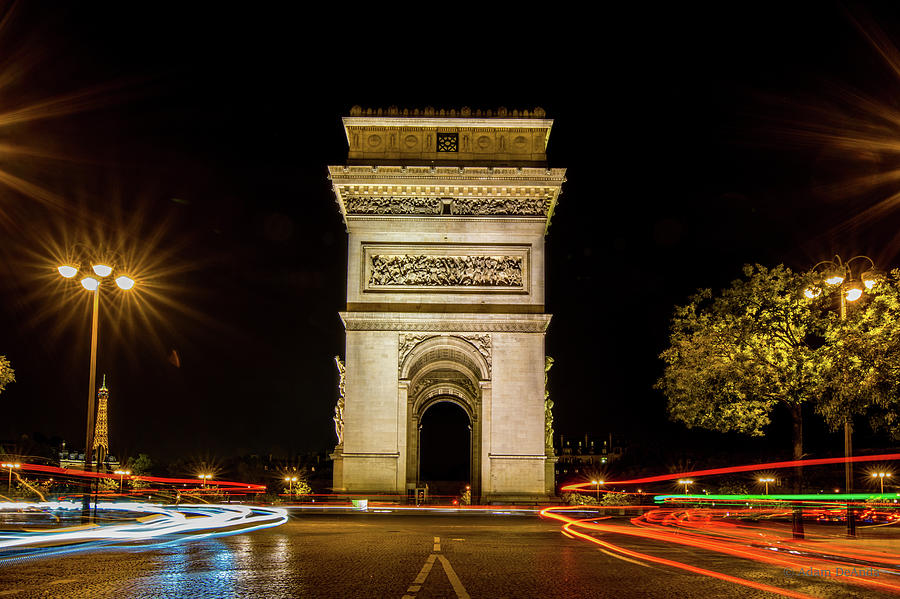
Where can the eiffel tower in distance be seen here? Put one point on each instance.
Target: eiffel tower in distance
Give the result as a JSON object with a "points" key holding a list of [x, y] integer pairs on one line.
{"points": [[101, 432]]}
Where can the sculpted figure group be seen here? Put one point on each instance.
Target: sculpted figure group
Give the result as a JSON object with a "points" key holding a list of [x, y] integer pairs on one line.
{"points": [[339, 408], [548, 404]]}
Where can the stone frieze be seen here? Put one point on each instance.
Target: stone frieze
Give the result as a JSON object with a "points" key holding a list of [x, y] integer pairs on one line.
{"points": [[393, 205], [503, 206], [427, 323], [446, 271], [500, 206]]}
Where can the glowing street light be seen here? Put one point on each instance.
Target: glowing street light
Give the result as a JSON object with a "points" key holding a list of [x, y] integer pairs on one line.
{"points": [[102, 270], [10, 466], [766, 482], [290, 480], [122, 474], [204, 478], [880, 476], [598, 483], [686, 483], [93, 283], [837, 272], [67, 271]]}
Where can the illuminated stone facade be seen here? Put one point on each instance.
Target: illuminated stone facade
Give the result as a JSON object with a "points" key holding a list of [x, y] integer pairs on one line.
{"points": [[446, 213]]}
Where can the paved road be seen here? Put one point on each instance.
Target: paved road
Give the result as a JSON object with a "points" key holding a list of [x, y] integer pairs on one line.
{"points": [[392, 556]]}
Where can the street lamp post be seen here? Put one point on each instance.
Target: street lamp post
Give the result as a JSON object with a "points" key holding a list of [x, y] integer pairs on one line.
{"points": [[597, 483], [290, 480], [837, 272], [766, 482], [204, 478], [16, 465], [122, 474], [92, 284], [881, 476], [686, 483]]}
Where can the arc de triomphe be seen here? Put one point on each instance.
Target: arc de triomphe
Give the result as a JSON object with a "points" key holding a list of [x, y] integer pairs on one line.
{"points": [[446, 213]]}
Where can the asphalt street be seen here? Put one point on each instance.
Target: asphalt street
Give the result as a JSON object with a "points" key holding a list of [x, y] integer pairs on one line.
{"points": [[396, 556]]}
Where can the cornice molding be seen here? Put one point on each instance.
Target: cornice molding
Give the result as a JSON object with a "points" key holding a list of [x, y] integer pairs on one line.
{"points": [[428, 174], [456, 122], [414, 322], [480, 187]]}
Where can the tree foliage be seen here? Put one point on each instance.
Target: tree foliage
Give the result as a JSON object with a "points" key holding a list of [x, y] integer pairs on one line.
{"points": [[761, 342], [732, 358], [301, 485], [579, 499], [7, 374], [141, 465], [860, 360]]}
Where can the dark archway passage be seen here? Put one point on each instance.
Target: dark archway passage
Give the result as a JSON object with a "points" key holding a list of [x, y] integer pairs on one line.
{"points": [[445, 448]]}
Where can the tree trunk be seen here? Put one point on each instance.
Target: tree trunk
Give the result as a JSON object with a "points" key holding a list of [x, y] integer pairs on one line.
{"points": [[797, 434]]}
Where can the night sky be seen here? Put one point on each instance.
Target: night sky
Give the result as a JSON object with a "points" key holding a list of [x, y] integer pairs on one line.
{"points": [[194, 143]]}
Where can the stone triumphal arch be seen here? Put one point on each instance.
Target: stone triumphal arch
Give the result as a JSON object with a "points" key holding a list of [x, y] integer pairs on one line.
{"points": [[446, 214]]}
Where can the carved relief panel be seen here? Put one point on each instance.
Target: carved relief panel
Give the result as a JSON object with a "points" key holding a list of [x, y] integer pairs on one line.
{"points": [[430, 268], [497, 206]]}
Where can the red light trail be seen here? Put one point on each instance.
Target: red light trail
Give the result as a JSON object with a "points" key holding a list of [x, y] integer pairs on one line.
{"points": [[223, 485], [745, 468]]}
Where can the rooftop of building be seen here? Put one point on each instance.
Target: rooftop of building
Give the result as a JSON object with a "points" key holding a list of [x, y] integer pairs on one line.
{"points": [[464, 112]]}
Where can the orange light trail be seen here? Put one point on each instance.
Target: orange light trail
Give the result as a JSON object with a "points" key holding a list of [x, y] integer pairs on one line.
{"points": [[570, 523], [701, 530]]}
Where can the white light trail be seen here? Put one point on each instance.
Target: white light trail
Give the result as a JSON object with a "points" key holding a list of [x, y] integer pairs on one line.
{"points": [[164, 523]]}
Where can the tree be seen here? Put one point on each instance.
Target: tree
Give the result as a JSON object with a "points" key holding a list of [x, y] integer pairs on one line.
{"points": [[860, 360], [300, 486], [763, 342], [731, 359], [7, 374], [141, 464]]}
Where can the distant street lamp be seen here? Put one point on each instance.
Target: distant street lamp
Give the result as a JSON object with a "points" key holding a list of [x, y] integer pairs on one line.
{"points": [[839, 273], [881, 476], [290, 480], [122, 474], [10, 466], [598, 483], [766, 482], [686, 483], [204, 478]]}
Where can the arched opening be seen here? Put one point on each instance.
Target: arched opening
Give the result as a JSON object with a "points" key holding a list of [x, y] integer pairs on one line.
{"points": [[443, 379], [445, 448]]}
